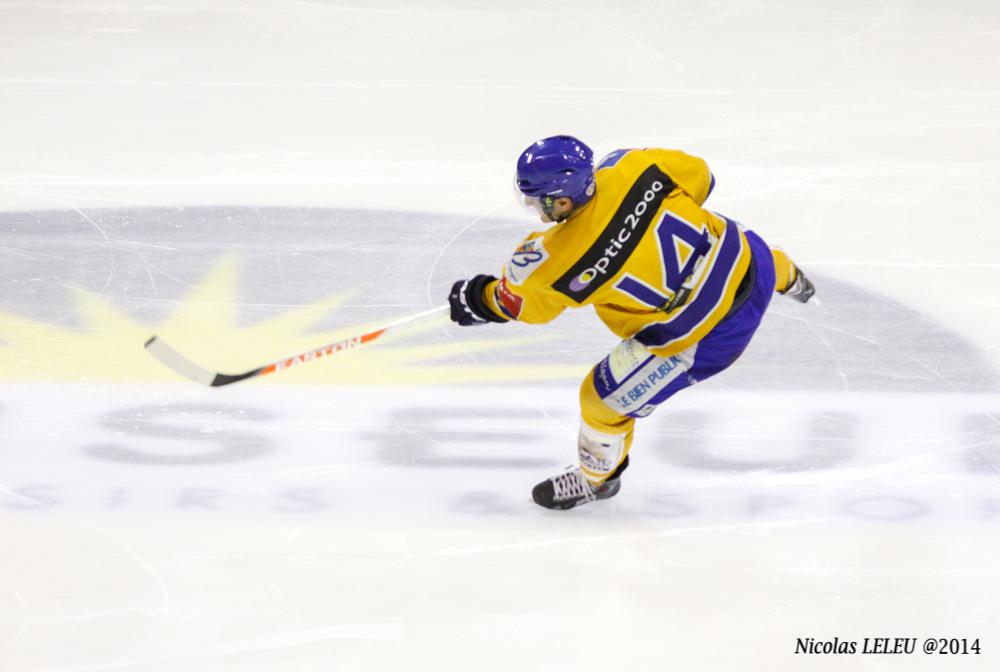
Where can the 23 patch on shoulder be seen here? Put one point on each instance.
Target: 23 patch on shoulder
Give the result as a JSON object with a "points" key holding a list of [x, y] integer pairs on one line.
{"points": [[526, 258]]}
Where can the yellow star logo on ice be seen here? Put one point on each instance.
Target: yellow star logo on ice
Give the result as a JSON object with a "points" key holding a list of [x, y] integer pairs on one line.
{"points": [[109, 345]]}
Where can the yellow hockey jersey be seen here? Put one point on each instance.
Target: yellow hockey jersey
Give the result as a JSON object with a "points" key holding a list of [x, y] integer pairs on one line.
{"points": [[654, 264]]}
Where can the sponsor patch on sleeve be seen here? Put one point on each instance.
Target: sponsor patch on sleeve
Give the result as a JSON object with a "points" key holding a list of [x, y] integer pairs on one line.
{"points": [[509, 302], [526, 258]]}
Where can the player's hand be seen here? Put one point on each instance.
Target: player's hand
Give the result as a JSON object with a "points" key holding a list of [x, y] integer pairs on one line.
{"points": [[468, 308]]}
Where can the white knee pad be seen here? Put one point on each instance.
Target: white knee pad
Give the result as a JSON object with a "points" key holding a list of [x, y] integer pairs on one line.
{"points": [[600, 453]]}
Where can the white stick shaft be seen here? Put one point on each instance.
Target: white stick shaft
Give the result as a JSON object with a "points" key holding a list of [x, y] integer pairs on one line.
{"points": [[418, 316]]}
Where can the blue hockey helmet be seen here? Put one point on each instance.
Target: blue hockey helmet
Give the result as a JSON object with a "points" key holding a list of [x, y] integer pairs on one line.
{"points": [[556, 167]]}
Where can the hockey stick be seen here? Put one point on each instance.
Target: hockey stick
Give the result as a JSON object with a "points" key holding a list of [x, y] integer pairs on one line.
{"points": [[178, 363]]}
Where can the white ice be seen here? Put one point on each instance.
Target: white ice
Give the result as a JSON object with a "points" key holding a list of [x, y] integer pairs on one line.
{"points": [[840, 481]]}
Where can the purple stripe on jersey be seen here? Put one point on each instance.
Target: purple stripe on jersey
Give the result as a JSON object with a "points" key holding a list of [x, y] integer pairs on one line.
{"points": [[612, 159], [711, 186], [708, 297], [637, 290]]}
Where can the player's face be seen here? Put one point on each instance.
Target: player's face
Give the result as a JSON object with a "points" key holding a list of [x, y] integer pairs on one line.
{"points": [[547, 208], [536, 206]]}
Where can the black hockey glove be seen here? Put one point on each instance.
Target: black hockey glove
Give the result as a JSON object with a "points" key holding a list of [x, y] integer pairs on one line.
{"points": [[468, 307]]}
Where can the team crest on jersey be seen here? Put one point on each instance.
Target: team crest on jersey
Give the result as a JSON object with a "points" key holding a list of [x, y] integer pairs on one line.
{"points": [[526, 258]]}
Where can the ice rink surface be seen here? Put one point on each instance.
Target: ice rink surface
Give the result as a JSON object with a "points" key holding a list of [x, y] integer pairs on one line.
{"points": [[252, 179]]}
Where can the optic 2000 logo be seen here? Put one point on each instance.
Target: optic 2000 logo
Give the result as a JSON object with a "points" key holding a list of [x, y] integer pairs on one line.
{"points": [[600, 267]]}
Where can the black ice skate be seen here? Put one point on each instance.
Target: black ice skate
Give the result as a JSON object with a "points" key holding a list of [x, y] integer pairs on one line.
{"points": [[571, 488], [802, 289]]}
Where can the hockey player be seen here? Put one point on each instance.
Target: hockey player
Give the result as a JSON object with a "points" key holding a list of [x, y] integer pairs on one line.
{"points": [[685, 288]]}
